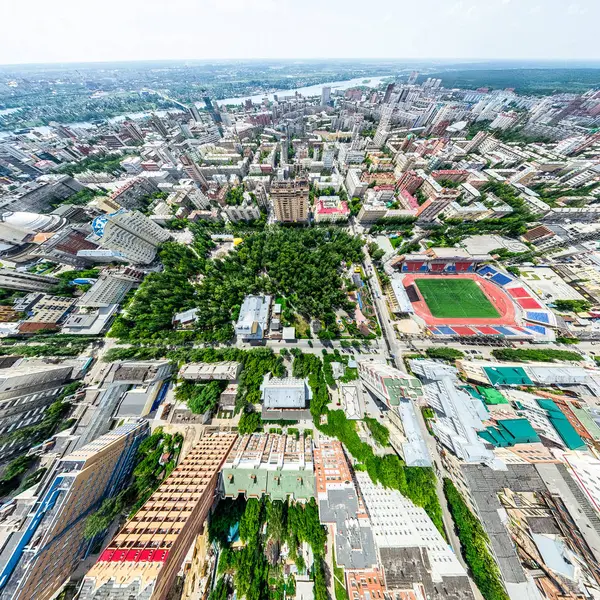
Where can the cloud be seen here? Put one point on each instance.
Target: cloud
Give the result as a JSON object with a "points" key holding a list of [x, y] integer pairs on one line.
{"points": [[576, 10]]}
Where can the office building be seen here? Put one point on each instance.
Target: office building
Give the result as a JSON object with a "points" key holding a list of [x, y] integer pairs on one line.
{"points": [[383, 129], [290, 199], [371, 213], [399, 527], [354, 185], [27, 282], [27, 390], [279, 466], [331, 209], [46, 548], [143, 559], [398, 392], [342, 508], [110, 288], [133, 193], [193, 171], [130, 235], [325, 95], [244, 212]]}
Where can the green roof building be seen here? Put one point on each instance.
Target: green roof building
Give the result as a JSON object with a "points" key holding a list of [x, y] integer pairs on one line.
{"points": [[492, 396], [278, 466], [509, 432], [507, 376], [559, 421]]}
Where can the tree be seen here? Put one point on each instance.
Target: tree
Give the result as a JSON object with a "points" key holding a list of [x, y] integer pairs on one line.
{"points": [[250, 522], [450, 354], [576, 306], [250, 422]]}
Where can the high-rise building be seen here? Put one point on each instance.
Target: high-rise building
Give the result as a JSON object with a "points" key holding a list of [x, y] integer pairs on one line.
{"points": [[325, 95], [290, 199], [354, 185], [479, 138], [130, 234], [42, 554], [26, 391], [144, 558], [383, 129], [133, 131], [193, 171], [110, 288], [159, 125], [388, 93], [409, 181]]}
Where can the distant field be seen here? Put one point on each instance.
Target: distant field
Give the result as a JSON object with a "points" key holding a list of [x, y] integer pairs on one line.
{"points": [[456, 299], [524, 81]]}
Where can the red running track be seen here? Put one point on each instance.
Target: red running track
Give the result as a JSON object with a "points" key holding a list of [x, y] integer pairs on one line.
{"points": [[498, 297]]}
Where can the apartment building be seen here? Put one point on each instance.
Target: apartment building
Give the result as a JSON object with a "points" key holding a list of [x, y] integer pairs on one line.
{"points": [[290, 199], [270, 464], [48, 543], [143, 559]]}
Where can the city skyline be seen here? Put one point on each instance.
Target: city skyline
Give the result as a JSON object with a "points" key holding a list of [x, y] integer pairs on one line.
{"points": [[132, 31]]}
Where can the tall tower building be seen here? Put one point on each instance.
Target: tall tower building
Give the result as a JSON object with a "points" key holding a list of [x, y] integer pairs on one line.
{"points": [[130, 234], [159, 125], [193, 171], [383, 129], [388, 92], [290, 199], [39, 557], [325, 95], [144, 558]]}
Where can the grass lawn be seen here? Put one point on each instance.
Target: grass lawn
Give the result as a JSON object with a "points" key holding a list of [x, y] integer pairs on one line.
{"points": [[456, 298]]}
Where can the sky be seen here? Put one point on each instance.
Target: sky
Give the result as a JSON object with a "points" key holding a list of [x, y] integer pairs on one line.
{"points": [[39, 31]]}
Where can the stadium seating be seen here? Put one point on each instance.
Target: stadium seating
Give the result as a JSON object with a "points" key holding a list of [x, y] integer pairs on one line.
{"points": [[501, 279], [540, 317]]}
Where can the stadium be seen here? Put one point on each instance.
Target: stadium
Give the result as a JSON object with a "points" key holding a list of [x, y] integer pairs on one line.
{"points": [[452, 296]]}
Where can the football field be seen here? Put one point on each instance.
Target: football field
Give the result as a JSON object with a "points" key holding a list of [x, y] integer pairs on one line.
{"points": [[456, 299]]}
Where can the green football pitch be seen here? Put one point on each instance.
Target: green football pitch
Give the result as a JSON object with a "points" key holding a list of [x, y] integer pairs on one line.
{"points": [[456, 299]]}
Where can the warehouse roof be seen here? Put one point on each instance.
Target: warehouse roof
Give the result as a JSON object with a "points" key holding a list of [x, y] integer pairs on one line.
{"points": [[507, 376]]}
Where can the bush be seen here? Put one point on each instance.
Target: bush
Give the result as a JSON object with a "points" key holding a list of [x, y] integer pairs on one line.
{"points": [[444, 353], [379, 432], [527, 355], [474, 544]]}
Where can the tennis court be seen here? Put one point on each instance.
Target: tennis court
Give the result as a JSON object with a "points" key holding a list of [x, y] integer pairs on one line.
{"points": [[455, 299]]}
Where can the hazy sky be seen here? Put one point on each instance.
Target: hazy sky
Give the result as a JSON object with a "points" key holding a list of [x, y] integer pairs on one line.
{"points": [[83, 30]]}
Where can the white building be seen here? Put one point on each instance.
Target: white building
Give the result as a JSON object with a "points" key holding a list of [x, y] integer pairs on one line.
{"points": [[355, 187], [110, 288], [284, 392], [253, 322], [130, 234], [398, 523]]}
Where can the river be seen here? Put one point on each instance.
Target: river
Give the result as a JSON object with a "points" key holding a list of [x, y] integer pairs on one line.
{"points": [[311, 90]]}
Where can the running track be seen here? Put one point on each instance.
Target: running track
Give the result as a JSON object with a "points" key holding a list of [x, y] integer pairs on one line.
{"points": [[495, 295]]}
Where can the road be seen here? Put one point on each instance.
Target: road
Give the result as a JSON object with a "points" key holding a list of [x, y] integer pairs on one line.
{"points": [[395, 350]]}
